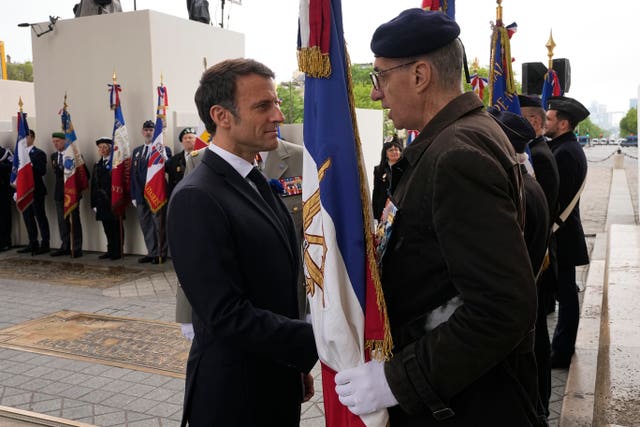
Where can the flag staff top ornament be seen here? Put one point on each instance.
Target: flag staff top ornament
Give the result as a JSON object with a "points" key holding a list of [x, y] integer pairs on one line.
{"points": [[20, 104], [550, 46]]}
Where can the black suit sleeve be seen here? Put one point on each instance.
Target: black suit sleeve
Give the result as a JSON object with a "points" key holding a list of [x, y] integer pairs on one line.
{"points": [[205, 256]]}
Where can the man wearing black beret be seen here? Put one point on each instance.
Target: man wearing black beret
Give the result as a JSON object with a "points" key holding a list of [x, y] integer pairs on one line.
{"points": [[457, 280], [563, 116], [177, 165]]}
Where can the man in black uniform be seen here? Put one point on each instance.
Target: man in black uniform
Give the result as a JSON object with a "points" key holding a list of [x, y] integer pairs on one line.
{"points": [[176, 166], [35, 216], [563, 116], [6, 163], [456, 275], [101, 200]]}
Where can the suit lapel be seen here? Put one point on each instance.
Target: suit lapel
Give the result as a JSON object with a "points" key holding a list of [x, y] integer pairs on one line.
{"points": [[244, 189]]}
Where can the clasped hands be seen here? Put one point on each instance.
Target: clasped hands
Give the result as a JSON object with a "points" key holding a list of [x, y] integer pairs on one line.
{"points": [[364, 389]]}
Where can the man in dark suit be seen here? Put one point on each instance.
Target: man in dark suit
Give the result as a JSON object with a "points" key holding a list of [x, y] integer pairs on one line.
{"points": [[236, 255], [101, 200], [152, 224], [70, 227], [563, 116], [35, 216], [6, 192], [546, 172], [176, 166]]}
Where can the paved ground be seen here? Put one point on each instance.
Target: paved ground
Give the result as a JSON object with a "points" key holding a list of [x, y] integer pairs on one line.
{"points": [[108, 396]]}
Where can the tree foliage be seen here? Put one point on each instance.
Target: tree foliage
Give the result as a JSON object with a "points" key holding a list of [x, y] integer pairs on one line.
{"points": [[629, 123], [292, 106], [20, 71]]}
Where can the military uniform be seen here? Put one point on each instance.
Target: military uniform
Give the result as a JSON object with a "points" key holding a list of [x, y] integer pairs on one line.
{"points": [[101, 203], [71, 225]]}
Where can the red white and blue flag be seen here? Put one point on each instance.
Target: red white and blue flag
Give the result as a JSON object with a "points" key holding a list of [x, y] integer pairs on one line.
{"points": [[155, 189], [411, 136], [478, 83], [446, 6], [120, 159], [75, 171], [22, 170], [550, 87], [348, 312]]}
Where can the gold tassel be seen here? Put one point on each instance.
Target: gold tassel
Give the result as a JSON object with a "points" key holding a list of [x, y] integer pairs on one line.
{"points": [[380, 350], [313, 62]]}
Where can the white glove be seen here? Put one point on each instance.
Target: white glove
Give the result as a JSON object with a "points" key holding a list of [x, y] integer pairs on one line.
{"points": [[364, 389], [95, 210], [187, 330], [15, 197], [134, 203]]}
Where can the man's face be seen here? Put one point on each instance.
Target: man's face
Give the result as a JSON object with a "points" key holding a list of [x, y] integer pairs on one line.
{"points": [[254, 128], [58, 143], [147, 134], [554, 127], [188, 142], [392, 89], [30, 140], [104, 149]]}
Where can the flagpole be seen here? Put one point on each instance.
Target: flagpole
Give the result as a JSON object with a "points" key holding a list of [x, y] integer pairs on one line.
{"points": [[550, 46], [162, 211]]}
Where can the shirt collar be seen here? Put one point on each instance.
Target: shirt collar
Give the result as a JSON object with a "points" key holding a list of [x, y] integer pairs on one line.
{"points": [[238, 163]]}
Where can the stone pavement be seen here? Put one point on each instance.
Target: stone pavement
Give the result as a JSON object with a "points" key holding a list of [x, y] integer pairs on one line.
{"points": [[103, 395]]}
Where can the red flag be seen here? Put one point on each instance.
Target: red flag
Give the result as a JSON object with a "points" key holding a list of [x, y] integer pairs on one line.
{"points": [[120, 156], [75, 172], [155, 189]]}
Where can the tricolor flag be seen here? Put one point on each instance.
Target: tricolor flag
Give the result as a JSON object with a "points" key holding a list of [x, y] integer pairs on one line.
{"points": [[348, 312], [75, 172], [120, 155], [155, 189], [446, 6], [478, 83], [203, 137], [411, 136], [22, 170], [501, 82], [550, 87]]}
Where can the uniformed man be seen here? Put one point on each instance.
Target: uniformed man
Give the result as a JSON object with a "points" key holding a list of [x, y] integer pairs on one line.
{"points": [[176, 166], [563, 115], [101, 200], [456, 275]]}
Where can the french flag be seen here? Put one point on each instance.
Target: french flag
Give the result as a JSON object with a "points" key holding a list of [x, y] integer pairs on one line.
{"points": [[155, 189], [120, 159], [348, 312], [22, 170]]}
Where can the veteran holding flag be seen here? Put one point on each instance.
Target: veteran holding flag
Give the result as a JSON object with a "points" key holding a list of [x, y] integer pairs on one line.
{"points": [[457, 280]]}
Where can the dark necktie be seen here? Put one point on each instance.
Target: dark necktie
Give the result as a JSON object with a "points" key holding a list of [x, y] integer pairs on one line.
{"points": [[264, 189], [145, 152], [60, 163]]}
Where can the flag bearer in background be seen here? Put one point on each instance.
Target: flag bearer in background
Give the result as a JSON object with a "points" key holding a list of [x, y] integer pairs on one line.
{"points": [[101, 200], [456, 275]]}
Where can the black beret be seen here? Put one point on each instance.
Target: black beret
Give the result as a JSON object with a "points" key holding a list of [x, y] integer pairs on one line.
{"points": [[517, 128], [414, 32], [529, 101], [104, 140], [148, 125], [185, 131], [58, 135], [570, 106]]}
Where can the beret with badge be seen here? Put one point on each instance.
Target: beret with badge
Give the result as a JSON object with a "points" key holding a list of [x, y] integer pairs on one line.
{"points": [[148, 124], [412, 33], [185, 131], [569, 106], [58, 135], [104, 140], [517, 128]]}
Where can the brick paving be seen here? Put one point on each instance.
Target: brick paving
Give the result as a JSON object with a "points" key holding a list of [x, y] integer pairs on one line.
{"points": [[110, 396]]}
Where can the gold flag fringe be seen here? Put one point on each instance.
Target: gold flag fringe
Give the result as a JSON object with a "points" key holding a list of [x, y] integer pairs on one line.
{"points": [[501, 31], [313, 62], [379, 349]]}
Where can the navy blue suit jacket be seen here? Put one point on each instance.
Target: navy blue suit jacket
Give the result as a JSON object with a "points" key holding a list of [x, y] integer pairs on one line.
{"points": [[138, 176]]}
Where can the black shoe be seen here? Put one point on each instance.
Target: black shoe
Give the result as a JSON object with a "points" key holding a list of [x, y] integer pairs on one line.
{"points": [[158, 260], [115, 257], [42, 250], [76, 254], [27, 249], [5, 247], [105, 255], [559, 361], [61, 252], [145, 259]]}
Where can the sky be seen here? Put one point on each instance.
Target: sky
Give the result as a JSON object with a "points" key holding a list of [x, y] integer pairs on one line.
{"points": [[600, 39]]}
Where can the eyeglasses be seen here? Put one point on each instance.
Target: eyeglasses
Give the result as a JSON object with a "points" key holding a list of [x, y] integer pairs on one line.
{"points": [[375, 76]]}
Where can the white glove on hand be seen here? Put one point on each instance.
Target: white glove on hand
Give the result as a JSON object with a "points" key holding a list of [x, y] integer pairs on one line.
{"points": [[134, 203], [15, 197], [187, 330], [95, 210], [364, 389]]}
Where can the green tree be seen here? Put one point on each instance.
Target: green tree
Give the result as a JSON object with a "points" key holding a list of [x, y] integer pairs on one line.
{"points": [[629, 123], [587, 127], [20, 71], [291, 94]]}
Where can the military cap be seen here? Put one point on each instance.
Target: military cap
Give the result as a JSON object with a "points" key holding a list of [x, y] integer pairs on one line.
{"points": [[529, 101], [414, 32], [569, 106], [185, 131], [517, 128], [104, 140], [58, 135], [148, 124]]}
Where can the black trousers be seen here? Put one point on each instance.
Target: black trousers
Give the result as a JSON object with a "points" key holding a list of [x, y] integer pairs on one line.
{"points": [[112, 231], [5, 218], [35, 218], [64, 227], [564, 337]]}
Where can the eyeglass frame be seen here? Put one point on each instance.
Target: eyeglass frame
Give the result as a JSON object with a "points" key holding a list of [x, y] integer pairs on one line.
{"points": [[375, 75]]}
